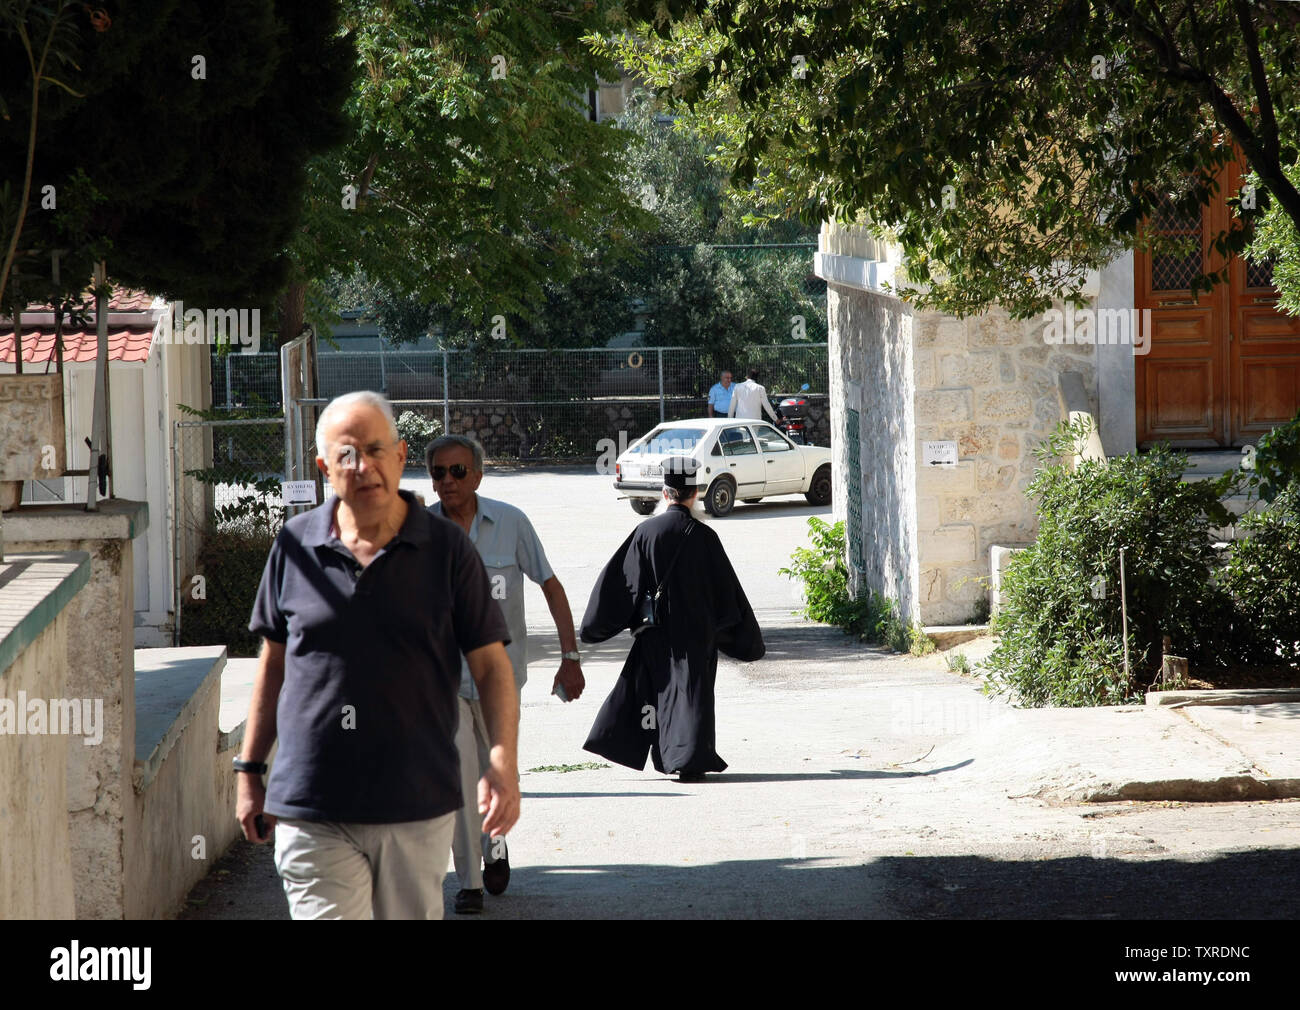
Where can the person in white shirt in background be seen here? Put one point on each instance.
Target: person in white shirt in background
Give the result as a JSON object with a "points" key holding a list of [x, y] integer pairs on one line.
{"points": [[749, 399]]}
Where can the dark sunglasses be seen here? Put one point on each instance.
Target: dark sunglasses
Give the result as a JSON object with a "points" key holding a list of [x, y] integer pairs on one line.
{"points": [[458, 470]]}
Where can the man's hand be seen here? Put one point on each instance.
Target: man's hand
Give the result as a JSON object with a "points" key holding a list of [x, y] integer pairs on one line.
{"points": [[498, 794], [259, 738], [571, 679], [498, 789], [250, 803]]}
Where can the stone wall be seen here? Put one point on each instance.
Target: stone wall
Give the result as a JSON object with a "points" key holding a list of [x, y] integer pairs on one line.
{"points": [[34, 879], [872, 371], [101, 666], [989, 383]]}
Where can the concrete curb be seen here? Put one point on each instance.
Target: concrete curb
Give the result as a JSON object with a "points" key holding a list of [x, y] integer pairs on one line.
{"points": [[1242, 696]]}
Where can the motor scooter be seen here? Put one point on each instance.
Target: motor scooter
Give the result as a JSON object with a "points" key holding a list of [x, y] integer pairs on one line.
{"points": [[791, 411]]}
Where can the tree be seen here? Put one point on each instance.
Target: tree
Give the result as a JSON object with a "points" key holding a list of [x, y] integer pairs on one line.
{"points": [[184, 162], [48, 40], [471, 176], [695, 296], [1009, 148]]}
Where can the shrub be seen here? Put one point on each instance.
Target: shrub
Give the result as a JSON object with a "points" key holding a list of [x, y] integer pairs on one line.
{"points": [[231, 563], [1262, 575], [418, 431], [1061, 630], [868, 617], [1277, 460]]}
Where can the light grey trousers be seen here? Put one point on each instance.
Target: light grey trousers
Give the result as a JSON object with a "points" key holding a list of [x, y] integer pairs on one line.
{"points": [[469, 845], [332, 870]]}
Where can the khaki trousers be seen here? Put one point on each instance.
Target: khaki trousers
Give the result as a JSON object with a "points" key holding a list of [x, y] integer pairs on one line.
{"points": [[469, 844], [332, 870]]}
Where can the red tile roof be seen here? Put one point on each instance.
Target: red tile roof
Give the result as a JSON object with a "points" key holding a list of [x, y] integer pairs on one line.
{"points": [[121, 300], [125, 343]]}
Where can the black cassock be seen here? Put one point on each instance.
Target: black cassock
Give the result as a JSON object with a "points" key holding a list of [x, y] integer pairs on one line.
{"points": [[671, 667]]}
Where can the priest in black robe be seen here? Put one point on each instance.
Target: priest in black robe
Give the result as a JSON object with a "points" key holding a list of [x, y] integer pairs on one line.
{"points": [[663, 700]]}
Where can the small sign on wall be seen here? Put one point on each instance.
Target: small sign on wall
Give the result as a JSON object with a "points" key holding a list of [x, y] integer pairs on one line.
{"points": [[297, 492], [939, 454]]}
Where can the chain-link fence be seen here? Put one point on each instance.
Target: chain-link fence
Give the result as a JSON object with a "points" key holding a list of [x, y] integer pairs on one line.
{"points": [[534, 404], [555, 404], [665, 374], [227, 510]]}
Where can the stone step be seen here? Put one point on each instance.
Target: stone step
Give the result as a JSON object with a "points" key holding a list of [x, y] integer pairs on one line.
{"points": [[1208, 464]]}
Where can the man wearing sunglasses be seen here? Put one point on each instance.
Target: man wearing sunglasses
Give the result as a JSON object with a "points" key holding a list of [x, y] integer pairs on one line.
{"points": [[509, 547]]}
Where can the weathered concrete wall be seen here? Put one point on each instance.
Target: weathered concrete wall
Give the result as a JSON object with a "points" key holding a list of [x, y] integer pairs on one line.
{"points": [[184, 817], [34, 849], [989, 383], [100, 666], [872, 371]]}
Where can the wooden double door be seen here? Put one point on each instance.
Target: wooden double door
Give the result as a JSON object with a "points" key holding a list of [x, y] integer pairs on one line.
{"points": [[1223, 367]]}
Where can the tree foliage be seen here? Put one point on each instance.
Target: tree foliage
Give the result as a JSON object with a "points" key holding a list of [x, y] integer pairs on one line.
{"points": [[661, 267], [1009, 148], [181, 159], [471, 176]]}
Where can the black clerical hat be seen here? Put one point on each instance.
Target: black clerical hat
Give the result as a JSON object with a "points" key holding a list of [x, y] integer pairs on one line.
{"points": [[680, 472]]}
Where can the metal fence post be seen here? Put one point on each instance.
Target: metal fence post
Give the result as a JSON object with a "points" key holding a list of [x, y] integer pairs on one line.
{"points": [[446, 404], [661, 385], [176, 533], [229, 399]]}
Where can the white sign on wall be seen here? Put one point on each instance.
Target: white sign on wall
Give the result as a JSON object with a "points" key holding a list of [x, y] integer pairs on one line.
{"points": [[939, 454], [298, 492]]}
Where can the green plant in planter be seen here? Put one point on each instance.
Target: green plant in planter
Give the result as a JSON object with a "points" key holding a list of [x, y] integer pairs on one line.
{"points": [[1061, 640]]}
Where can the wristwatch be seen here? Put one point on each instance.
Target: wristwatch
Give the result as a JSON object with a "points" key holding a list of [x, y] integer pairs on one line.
{"points": [[252, 767], [575, 656]]}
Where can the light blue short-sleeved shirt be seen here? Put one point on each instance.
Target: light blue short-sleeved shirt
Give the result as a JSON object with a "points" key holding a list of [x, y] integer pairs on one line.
{"points": [[720, 397], [508, 545]]}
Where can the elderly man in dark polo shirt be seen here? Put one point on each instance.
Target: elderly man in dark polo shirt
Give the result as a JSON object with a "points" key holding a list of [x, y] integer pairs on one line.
{"points": [[365, 607]]}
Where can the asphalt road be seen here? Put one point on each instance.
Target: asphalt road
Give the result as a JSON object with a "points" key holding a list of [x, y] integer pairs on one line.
{"points": [[831, 807]]}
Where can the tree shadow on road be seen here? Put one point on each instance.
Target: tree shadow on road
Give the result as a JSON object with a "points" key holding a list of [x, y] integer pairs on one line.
{"points": [[1239, 885]]}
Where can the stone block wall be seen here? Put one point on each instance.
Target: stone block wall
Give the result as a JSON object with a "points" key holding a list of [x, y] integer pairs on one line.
{"points": [[988, 383], [100, 666], [34, 879], [872, 371]]}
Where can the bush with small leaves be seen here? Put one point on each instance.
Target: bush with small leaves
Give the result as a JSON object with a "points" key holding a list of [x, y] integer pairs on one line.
{"points": [[1262, 574], [1061, 636], [418, 431]]}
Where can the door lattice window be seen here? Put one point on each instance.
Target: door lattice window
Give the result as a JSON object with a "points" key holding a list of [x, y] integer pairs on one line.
{"points": [[1170, 272], [1259, 275]]}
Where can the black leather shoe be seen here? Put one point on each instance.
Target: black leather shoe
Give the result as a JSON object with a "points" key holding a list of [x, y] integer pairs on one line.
{"points": [[469, 902], [496, 875], [690, 776]]}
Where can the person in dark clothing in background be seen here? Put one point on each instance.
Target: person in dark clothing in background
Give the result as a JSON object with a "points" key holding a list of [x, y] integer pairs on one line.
{"points": [[663, 700]]}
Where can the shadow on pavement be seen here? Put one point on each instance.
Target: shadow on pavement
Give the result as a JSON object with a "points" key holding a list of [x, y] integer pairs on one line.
{"points": [[1238, 885], [1242, 885]]}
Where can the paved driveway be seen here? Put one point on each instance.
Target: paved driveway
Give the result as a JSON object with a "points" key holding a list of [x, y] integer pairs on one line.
{"points": [[581, 520], [858, 784]]}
